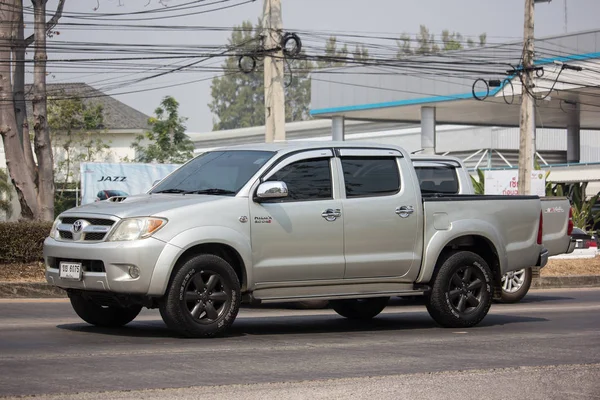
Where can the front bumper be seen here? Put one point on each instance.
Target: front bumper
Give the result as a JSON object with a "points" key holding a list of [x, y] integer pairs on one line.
{"points": [[111, 262]]}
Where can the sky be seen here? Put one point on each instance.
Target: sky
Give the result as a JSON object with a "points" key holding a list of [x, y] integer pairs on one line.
{"points": [[502, 20]]}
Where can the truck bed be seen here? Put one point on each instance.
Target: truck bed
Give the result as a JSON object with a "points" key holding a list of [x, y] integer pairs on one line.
{"points": [[510, 227]]}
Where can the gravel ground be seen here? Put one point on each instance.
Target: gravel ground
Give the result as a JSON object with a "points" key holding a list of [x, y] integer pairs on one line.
{"points": [[553, 382]]}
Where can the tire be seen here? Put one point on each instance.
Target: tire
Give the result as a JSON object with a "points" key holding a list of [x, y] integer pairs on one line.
{"points": [[515, 285], [104, 316], [462, 291], [359, 308], [203, 298]]}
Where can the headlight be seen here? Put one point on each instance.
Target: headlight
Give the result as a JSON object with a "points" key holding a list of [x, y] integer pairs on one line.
{"points": [[136, 228], [54, 230]]}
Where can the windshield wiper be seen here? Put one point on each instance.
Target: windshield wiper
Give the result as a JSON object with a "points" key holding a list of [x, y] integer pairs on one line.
{"points": [[171, 191], [212, 191]]}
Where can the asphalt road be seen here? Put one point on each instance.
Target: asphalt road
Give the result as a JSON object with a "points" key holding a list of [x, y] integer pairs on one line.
{"points": [[548, 346]]}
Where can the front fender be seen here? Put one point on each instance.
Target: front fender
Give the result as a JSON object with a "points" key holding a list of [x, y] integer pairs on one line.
{"points": [[193, 237], [440, 238]]}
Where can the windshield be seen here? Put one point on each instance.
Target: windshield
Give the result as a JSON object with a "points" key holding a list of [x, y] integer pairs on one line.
{"points": [[215, 172]]}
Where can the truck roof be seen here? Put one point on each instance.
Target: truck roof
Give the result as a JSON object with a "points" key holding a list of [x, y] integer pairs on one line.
{"points": [[433, 157], [286, 147]]}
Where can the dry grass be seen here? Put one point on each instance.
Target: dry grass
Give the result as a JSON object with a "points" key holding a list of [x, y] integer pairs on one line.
{"points": [[31, 272], [578, 266], [34, 272]]}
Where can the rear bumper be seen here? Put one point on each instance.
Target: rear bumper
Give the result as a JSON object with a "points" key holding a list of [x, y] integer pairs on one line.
{"points": [[571, 248], [543, 258]]}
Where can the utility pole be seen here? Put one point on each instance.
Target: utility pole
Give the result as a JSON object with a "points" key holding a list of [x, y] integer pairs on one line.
{"points": [[566, 14], [527, 121], [274, 70]]}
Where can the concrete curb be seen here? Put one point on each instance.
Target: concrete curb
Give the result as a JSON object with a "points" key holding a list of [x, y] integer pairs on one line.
{"points": [[43, 290], [575, 281]]}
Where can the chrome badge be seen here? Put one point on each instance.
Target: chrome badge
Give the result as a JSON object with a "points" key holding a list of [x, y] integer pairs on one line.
{"points": [[77, 226]]}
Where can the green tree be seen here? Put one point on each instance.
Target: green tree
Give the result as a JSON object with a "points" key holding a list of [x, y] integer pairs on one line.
{"points": [[76, 129], [360, 53], [166, 141], [404, 46], [238, 99], [451, 41], [482, 39], [333, 57], [479, 183], [6, 189], [426, 42]]}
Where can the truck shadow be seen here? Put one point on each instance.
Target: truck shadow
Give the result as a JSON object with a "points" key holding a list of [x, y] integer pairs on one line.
{"points": [[528, 299], [533, 298], [403, 322]]}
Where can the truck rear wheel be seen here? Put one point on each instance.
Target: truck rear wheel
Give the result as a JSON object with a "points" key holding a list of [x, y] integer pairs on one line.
{"points": [[105, 316], [359, 308], [203, 299], [461, 294], [515, 285]]}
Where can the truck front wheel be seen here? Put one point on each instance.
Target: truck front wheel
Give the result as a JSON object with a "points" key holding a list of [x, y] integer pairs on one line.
{"points": [[359, 308], [203, 299], [105, 316], [461, 294]]}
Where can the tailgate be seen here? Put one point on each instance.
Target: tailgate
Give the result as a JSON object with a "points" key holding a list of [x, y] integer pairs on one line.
{"points": [[556, 219]]}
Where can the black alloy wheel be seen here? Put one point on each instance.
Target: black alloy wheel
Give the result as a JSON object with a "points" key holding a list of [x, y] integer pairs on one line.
{"points": [[466, 290], [206, 296], [203, 298]]}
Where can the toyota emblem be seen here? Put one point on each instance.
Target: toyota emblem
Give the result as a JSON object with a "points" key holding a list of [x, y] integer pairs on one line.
{"points": [[77, 225]]}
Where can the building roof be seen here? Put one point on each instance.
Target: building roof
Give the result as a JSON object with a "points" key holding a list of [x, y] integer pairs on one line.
{"points": [[470, 87], [117, 115]]}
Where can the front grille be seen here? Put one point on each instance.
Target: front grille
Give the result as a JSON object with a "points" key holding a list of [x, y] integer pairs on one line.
{"points": [[94, 236], [66, 235], [92, 221], [86, 265]]}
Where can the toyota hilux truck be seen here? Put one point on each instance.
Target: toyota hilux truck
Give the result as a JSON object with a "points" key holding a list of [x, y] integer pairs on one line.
{"points": [[337, 221], [447, 175]]}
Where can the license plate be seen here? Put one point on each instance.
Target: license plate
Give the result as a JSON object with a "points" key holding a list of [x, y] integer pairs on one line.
{"points": [[70, 270]]}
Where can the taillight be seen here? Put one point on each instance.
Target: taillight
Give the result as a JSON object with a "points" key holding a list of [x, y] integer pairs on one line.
{"points": [[540, 228], [570, 225], [593, 243]]}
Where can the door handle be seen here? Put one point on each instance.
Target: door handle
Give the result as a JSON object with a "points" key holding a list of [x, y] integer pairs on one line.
{"points": [[331, 214], [405, 211]]}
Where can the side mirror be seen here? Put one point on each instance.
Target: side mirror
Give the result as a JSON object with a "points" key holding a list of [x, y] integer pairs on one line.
{"points": [[272, 190]]}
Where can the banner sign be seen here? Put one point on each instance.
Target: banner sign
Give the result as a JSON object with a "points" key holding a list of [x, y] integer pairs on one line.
{"points": [[506, 182], [100, 181]]}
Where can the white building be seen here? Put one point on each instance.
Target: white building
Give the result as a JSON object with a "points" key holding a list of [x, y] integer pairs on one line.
{"points": [[121, 125]]}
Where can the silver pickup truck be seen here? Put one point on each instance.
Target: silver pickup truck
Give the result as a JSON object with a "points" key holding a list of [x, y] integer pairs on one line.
{"points": [[336, 221], [447, 175]]}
